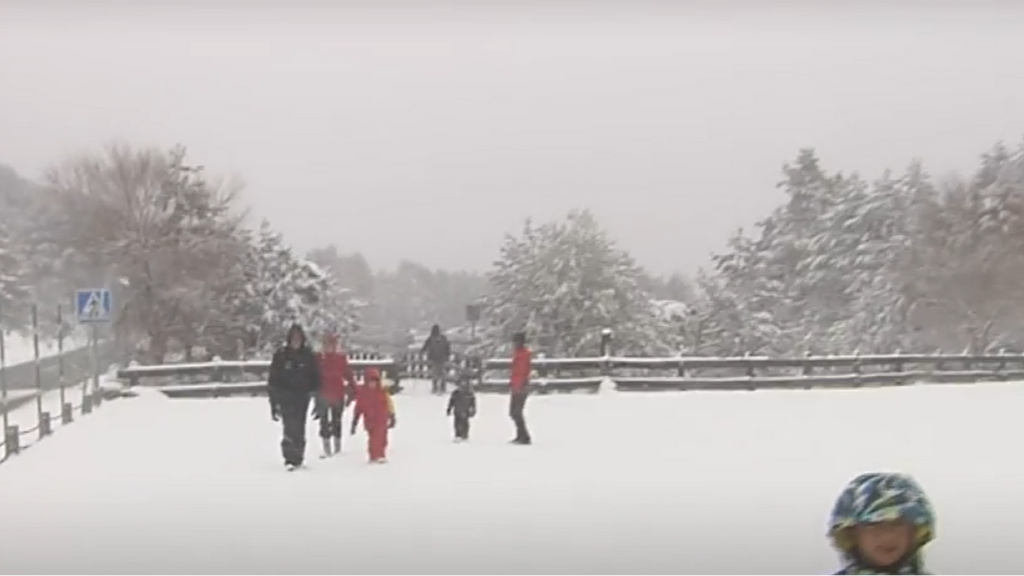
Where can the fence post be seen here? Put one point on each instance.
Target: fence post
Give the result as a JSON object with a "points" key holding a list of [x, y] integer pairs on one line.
{"points": [[94, 358], [37, 367], [606, 352], [60, 357], [44, 425], [12, 440], [606, 342], [3, 371], [66, 414]]}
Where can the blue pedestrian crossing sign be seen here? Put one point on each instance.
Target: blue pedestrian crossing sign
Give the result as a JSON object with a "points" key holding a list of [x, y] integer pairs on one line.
{"points": [[93, 306]]}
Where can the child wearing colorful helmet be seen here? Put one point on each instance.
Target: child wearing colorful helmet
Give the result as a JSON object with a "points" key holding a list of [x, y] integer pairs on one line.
{"points": [[880, 523]]}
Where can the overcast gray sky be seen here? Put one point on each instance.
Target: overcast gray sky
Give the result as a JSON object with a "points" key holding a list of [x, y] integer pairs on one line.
{"points": [[429, 130]]}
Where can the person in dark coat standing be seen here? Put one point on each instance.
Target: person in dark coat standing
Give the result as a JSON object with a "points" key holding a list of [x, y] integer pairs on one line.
{"points": [[519, 387], [463, 405], [294, 379], [438, 350]]}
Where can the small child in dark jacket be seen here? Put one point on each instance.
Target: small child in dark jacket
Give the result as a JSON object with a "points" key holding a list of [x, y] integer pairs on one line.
{"points": [[462, 404]]}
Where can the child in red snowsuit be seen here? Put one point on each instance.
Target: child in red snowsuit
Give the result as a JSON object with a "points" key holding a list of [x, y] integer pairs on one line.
{"points": [[377, 410], [335, 374]]}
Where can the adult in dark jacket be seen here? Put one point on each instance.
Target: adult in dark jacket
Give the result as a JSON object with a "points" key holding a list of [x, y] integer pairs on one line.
{"points": [[294, 379], [438, 350]]}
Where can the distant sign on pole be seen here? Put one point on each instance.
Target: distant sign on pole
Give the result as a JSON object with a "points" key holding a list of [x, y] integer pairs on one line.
{"points": [[94, 306], [473, 313]]}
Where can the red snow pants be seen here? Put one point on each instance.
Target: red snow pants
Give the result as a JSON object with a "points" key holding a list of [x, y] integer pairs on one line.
{"points": [[377, 439]]}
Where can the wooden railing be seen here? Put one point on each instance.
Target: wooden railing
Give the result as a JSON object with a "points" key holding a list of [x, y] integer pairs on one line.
{"points": [[628, 374]]}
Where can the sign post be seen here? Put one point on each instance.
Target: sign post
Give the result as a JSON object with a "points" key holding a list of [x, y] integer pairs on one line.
{"points": [[472, 316], [93, 306]]}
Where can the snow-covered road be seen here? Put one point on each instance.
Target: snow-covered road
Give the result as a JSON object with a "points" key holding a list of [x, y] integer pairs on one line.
{"points": [[700, 482]]}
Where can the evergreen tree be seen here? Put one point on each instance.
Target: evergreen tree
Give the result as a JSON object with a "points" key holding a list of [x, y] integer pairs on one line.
{"points": [[563, 283]]}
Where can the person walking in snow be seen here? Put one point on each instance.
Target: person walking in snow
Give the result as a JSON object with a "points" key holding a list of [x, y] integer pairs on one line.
{"points": [[293, 379], [462, 404], [519, 387], [438, 350], [377, 411], [337, 388], [880, 523]]}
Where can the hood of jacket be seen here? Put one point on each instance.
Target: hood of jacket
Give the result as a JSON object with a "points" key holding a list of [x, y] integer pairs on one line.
{"points": [[293, 330]]}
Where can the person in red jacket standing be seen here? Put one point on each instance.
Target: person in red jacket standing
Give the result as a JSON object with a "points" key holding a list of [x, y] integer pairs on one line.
{"points": [[377, 410], [519, 387], [338, 386]]}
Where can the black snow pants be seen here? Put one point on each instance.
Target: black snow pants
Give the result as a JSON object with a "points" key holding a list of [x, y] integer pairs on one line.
{"points": [[462, 426], [293, 422], [438, 377], [516, 405], [330, 419]]}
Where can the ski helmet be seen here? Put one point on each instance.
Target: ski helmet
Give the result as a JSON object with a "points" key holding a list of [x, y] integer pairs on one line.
{"points": [[880, 497]]}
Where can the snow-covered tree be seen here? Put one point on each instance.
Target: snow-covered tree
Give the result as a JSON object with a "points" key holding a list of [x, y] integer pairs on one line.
{"points": [[147, 217], [280, 289], [562, 283], [14, 292]]}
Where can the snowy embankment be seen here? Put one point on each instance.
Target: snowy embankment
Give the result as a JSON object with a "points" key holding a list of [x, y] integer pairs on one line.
{"points": [[698, 482], [19, 348], [26, 415]]}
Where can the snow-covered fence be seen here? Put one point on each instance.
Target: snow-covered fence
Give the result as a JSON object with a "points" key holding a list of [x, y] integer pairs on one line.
{"points": [[755, 373], [45, 394], [232, 377], [637, 374]]}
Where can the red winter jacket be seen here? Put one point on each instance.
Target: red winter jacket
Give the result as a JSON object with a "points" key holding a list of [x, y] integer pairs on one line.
{"points": [[335, 373], [520, 370], [374, 406]]}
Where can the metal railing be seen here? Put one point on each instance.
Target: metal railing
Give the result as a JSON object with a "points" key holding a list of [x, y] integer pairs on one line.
{"points": [[639, 374], [73, 374]]}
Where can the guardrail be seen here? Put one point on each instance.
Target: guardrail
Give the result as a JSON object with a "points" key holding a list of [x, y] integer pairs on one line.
{"points": [[70, 374], [641, 374]]}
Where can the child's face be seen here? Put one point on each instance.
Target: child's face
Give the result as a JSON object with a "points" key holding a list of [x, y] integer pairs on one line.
{"points": [[885, 543]]}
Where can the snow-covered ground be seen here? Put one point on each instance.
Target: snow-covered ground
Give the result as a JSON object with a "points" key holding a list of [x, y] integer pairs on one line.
{"points": [[19, 348], [26, 416], [699, 482]]}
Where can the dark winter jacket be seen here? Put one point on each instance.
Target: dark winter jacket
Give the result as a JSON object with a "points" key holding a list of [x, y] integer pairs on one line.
{"points": [[294, 372], [437, 347], [462, 403]]}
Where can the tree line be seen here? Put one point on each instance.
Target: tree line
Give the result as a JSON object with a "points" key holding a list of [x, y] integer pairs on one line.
{"points": [[902, 262]]}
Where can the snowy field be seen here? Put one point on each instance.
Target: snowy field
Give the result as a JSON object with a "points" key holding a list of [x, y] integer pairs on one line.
{"points": [[19, 348], [700, 482]]}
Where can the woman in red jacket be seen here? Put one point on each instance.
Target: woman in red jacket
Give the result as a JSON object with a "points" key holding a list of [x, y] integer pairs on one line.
{"points": [[336, 388], [377, 410], [519, 387]]}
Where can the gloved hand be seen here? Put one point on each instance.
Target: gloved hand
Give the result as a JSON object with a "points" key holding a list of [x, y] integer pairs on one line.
{"points": [[275, 412], [392, 421], [472, 413]]}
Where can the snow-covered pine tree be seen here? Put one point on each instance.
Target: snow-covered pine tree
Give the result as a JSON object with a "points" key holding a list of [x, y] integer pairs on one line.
{"points": [[970, 258], [563, 282], [281, 289]]}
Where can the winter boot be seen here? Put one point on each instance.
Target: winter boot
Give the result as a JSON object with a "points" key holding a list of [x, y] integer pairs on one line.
{"points": [[326, 450], [337, 444]]}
